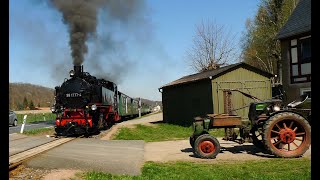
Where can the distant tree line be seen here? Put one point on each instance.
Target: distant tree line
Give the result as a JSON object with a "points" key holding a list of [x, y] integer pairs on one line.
{"points": [[26, 105], [28, 96]]}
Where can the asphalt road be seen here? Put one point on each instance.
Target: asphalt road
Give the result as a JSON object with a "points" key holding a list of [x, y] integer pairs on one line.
{"points": [[30, 126], [118, 157]]}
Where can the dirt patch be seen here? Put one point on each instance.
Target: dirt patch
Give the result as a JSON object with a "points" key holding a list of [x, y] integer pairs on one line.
{"points": [[63, 174], [111, 132], [25, 173], [181, 150]]}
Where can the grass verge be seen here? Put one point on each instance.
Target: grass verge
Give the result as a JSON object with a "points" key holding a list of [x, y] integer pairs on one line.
{"points": [[159, 132], [40, 131], [288, 169], [42, 117]]}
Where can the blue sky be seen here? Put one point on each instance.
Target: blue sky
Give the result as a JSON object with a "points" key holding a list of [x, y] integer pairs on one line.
{"points": [[146, 55]]}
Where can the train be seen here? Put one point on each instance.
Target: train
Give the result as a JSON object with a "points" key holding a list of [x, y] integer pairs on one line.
{"points": [[85, 105]]}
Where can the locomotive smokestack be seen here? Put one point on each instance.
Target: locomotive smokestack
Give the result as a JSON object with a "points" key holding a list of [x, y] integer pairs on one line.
{"points": [[78, 70]]}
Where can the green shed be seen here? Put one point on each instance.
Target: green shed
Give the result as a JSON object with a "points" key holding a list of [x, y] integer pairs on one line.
{"points": [[202, 93]]}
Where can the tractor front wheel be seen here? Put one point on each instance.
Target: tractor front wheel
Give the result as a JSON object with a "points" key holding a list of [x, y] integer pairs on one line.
{"points": [[206, 146], [257, 137], [287, 135], [193, 138]]}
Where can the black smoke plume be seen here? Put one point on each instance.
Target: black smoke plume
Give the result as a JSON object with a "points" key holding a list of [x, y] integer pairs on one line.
{"points": [[81, 18]]}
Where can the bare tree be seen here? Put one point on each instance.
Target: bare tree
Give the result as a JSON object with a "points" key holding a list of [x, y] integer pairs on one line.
{"points": [[213, 46]]}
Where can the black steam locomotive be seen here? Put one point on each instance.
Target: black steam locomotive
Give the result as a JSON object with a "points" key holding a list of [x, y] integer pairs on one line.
{"points": [[85, 104]]}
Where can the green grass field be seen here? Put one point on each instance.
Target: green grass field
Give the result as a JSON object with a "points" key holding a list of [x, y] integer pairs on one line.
{"points": [[273, 169]]}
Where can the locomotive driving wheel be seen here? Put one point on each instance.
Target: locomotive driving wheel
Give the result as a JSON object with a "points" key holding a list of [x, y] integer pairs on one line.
{"points": [[287, 134], [206, 146]]}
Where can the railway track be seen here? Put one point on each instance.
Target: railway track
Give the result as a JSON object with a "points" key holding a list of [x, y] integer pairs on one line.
{"points": [[18, 158]]}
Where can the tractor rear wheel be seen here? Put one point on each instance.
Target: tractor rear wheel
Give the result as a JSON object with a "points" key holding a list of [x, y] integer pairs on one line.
{"points": [[206, 146], [287, 135]]}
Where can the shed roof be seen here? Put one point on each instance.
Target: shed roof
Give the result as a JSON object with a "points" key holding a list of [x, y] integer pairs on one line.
{"points": [[298, 22], [216, 73]]}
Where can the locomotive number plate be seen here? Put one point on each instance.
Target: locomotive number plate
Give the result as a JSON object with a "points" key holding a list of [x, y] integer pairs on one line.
{"points": [[73, 95]]}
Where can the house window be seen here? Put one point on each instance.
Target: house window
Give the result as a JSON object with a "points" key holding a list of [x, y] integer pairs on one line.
{"points": [[306, 91], [300, 60]]}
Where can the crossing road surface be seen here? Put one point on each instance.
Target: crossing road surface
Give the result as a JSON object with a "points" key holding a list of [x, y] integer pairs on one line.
{"points": [[119, 157], [16, 129]]}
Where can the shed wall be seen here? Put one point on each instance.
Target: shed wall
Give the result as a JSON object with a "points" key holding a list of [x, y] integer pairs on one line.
{"points": [[184, 102], [243, 80]]}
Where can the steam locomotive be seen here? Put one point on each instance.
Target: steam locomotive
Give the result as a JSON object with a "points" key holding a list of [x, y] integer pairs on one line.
{"points": [[85, 105]]}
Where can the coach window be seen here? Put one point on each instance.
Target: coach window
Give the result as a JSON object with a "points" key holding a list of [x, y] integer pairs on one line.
{"points": [[300, 60]]}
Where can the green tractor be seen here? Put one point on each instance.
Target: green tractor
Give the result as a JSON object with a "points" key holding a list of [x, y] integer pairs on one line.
{"points": [[283, 131]]}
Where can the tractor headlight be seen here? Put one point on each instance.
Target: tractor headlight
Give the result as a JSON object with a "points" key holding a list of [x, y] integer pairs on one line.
{"points": [[276, 108], [94, 107]]}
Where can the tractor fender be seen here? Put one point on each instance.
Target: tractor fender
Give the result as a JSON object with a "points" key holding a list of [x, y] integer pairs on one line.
{"points": [[281, 111]]}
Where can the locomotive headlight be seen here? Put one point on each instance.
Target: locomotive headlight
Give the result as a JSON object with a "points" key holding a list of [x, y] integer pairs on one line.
{"points": [[71, 73], [94, 107], [276, 108]]}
